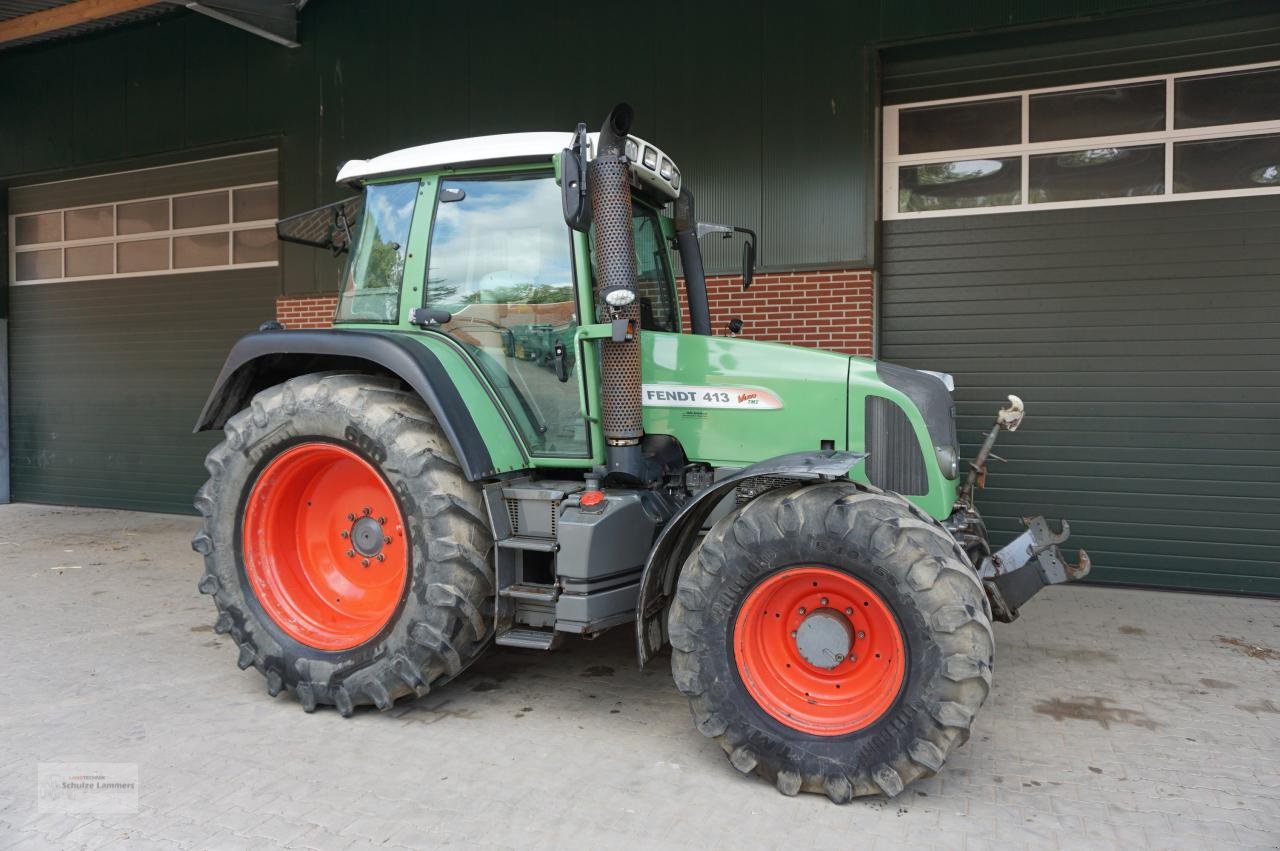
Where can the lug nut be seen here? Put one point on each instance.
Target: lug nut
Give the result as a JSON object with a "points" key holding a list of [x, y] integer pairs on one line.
{"points": [[793, 633], [803, 610], [382, 521], [364, 562], [861, 634], [823, 601], [381, 557], [386, 540], [351, 517], [367, 511], [848, 611], [351, 553], [344, 534]]}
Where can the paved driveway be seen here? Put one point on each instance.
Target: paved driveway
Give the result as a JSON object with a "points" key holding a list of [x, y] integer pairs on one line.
{"points": [[1119, 719]]}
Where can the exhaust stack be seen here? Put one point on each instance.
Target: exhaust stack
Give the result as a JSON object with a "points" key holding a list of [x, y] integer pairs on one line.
{"points": [[613, 244]]}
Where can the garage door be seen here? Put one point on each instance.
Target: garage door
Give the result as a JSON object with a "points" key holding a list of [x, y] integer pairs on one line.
{"points": [[1128, 290], [126, 291]]}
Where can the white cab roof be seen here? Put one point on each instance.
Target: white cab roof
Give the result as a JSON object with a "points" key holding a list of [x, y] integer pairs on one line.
{"points": [[478, 150]]}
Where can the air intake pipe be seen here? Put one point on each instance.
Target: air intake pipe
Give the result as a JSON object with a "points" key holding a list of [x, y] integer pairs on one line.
{"points": [[613, 249]]}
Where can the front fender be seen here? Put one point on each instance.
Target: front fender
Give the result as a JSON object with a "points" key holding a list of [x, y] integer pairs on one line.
{"points": [[677, 538], [265, 358]]}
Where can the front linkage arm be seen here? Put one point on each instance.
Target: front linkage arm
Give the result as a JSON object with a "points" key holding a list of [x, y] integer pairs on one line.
{"points": [[1030, 561]]}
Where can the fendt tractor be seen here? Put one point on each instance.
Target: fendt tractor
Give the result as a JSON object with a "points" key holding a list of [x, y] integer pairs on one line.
{"points": [[507, 438]]}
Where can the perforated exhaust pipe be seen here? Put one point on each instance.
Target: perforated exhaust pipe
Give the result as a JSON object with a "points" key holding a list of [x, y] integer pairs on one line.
{"points": [[613, 245]]}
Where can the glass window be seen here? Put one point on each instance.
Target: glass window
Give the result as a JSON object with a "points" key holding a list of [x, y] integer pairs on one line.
{"points": [[501, 265], [91, 222], [42, 227], [254, 246], [1237, 97], [1097, 173], [1104, 111], [202, 249], [654, 284], [375, 269], [85, 260], [38, 265], [256, 204], [142, 216], [142, 255], [193, 211], [972, 124], [1245, 162], [960, 184]]}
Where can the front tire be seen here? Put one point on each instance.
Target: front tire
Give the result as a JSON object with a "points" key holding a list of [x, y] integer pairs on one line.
{"points": [[833, 639], [346, 553]]}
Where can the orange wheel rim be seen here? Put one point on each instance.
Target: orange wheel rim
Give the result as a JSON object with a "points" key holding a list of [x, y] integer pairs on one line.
{"points": [[819, 650], [324, 546]]}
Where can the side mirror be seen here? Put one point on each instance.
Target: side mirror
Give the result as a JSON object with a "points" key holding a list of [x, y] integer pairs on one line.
{"points": [[573, 181], [748, 260]]}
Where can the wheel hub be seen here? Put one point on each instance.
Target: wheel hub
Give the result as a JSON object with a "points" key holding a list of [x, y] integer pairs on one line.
{"points": [[366, 536], [824, 638]]}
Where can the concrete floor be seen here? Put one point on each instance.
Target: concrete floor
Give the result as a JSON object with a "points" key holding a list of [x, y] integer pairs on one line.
{"points": [[1119, 719]]}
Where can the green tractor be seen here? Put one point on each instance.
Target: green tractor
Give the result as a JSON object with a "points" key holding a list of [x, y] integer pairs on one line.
{"points": [[397, 493]]}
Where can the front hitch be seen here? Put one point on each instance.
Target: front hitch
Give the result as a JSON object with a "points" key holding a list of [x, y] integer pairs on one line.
{"points": [[1028, 563], [1032, 560]]}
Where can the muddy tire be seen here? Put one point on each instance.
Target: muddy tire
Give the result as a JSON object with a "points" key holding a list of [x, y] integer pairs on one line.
{"points": [[364, 572], [833, 639]]}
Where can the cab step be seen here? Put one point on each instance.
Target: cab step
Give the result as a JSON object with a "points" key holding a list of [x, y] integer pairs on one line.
{"points": [[529, 639], [528, 542], [529, 591]]}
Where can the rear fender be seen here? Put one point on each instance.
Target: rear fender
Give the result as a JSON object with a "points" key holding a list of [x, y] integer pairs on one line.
{"points": [[267, 358], [677, 538]]}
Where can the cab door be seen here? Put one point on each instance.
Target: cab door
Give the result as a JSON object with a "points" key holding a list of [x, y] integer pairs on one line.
{"points": [[500, 262]]}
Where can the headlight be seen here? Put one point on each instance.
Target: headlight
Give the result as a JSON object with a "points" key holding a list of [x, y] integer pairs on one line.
{"points": [[619, 296], [675, 178], [948, 460], [632, 150], [667, 168], [650, 158]]}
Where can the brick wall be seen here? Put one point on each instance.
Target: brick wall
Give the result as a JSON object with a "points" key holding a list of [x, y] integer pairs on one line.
{"points": [[308, 311], [828, 309]]}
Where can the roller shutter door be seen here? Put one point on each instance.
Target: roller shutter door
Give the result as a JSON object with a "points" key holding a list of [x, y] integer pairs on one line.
{"points": [[109, 373]]}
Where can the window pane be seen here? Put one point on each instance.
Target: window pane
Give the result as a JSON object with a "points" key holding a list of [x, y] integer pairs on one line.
{"points": [[960, 184], [205, 249], [653, 278], [254, 246], [142, 216], [376, 266], [144, 255], [38, 265], [978, 124], [90, 223], [87, 260], [42, 227], [1107, 111], [255, 205], [1247, 162], [193, 211], [1235, 98], [1097, 173]]}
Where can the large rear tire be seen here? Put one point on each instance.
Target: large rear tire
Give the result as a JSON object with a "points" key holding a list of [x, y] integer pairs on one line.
{"points": [[348, 556], [833, 639]]}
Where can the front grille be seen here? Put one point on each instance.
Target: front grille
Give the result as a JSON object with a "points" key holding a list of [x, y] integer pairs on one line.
{"points": [[894, 461]]}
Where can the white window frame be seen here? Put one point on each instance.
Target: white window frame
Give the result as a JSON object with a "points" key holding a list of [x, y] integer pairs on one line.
{"points": [[230, 227], [892, 160]]}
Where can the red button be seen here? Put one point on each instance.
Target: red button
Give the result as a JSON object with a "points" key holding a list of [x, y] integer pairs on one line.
{"points": [[591, 498]]}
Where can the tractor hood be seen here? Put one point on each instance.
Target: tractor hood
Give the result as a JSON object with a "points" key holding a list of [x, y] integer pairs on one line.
{"points": [[732, 402]]}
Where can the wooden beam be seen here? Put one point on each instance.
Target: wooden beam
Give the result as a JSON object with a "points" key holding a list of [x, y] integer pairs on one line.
{"points": [[67, 15]]}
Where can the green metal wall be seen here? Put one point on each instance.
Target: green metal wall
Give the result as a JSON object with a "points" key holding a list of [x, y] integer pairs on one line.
{"points": [[768, 106]]}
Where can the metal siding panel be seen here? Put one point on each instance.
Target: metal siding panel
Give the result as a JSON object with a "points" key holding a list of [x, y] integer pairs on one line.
{"points": [[108, 377], [1150, 382], [153, 60]]}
